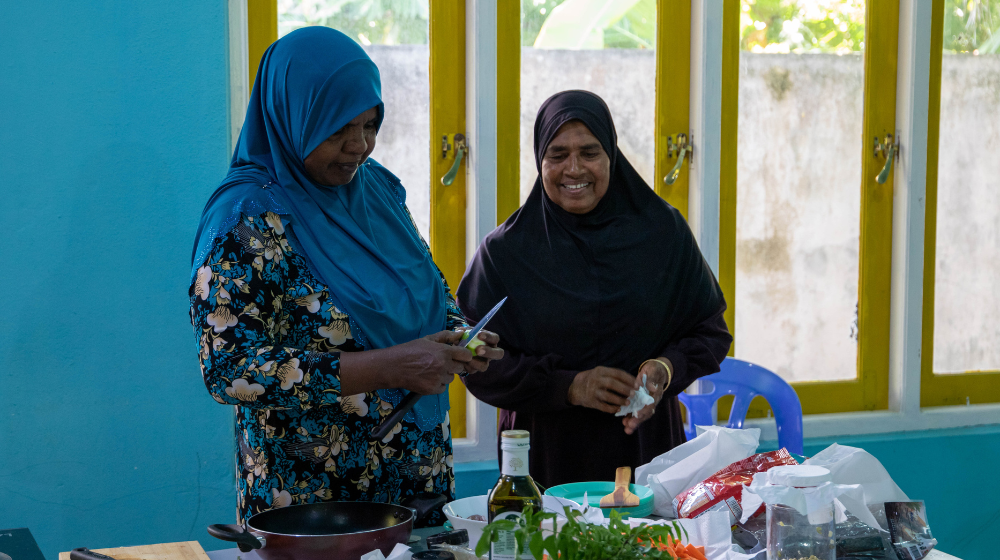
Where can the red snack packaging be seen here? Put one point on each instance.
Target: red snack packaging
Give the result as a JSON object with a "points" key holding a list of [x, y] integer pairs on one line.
{"points": [[723, 490]]}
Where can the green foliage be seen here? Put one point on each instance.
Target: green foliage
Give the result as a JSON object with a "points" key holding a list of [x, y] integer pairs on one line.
{"points": [[971, 26], [636, 29], [800, 26], [379, 22], [577, 539], [765, 25], [619, 24]]}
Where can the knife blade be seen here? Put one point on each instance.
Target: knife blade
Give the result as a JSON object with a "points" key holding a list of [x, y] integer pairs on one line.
{"points": [[471, 334]]}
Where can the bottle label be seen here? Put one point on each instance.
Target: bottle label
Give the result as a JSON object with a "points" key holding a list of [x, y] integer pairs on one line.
{"points": [[506, 546], [515, 461]]}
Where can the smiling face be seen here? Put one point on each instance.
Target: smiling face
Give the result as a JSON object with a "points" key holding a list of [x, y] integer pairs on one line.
{"points": [[575, 169], [336, 160]]}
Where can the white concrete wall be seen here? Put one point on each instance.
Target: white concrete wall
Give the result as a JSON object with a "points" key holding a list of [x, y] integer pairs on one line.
{"points": [[798, 213], [404, 139], [624, 78], [967, 302]]}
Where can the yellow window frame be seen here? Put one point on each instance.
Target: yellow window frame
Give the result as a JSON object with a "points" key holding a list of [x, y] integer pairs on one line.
{"points": [[937, 389], [508, 109], [673, 100], [870, 389], [447, 117]]}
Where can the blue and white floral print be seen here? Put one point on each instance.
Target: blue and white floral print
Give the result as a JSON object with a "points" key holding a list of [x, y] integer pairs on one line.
{"points": [[269, 340]]}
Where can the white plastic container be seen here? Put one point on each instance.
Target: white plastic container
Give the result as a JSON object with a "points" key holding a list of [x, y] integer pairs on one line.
{"points": [[459, 511], [791, 535]]}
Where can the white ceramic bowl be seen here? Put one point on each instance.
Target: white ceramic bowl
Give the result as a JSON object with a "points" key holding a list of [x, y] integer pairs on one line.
{"points": [[458, 513]]}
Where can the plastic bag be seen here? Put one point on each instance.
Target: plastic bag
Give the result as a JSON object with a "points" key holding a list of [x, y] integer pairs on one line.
{"points": [[723, 490], [693, 461]]}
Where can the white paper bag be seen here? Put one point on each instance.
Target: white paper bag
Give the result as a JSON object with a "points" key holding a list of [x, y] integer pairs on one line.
{"points": [[691, 462]]}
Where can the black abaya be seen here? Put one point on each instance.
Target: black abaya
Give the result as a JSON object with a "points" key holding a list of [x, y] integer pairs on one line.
{"points": [[613, 287]]}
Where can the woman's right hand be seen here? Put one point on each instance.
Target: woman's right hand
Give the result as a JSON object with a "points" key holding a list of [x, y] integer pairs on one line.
{"points": [[602, 388], [427, 365]]}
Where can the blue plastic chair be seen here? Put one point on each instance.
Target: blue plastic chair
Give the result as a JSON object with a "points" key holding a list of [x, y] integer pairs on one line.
{"points": [[745, 381]]}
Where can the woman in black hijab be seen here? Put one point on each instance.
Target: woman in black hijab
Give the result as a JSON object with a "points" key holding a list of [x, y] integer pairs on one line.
{"points": [[605, 280]]}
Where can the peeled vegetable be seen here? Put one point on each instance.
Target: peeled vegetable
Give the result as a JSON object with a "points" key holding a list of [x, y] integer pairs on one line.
{"points": [[476, 343]]}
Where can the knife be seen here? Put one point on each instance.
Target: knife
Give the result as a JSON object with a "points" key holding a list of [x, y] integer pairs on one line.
{"points": [[470, 335], [380, 431]]}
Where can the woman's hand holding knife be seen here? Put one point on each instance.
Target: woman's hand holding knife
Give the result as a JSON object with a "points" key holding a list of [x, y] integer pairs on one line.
{"points": [[424, 366]]}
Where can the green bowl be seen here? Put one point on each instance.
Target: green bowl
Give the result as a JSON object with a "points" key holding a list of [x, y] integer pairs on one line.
{"points": [[596, 490]]}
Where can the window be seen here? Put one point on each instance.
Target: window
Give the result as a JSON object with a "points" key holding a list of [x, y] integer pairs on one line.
{"points": [[422, 103], [812, 254], [961, 360], [604, 46], [395, 34]]}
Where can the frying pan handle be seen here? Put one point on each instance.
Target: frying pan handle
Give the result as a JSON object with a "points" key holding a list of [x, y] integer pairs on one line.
{"points": [[395, 417], [424, 503], [234, 533], [86, 554]]}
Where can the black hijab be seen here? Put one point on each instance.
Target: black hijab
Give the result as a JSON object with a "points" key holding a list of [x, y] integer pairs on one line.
{"points": [[612, 287]]}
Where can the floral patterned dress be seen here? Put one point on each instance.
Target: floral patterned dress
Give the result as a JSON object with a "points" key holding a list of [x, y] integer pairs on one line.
{"points": [[270, 339]]}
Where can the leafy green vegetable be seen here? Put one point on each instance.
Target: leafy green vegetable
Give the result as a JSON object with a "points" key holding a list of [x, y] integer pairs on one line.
{"points": [[578, 539]]}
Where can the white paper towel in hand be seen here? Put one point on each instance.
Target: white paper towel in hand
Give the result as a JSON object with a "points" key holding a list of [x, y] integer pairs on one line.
{"points": [[636, 401], [691, 462]]}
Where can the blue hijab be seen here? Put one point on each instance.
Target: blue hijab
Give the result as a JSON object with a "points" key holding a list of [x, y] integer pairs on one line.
{"points": [[357, 238]]}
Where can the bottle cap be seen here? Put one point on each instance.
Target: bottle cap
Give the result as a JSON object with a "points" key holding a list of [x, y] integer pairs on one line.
{"points": [[515, 434], [514, 440], [799, 476]]}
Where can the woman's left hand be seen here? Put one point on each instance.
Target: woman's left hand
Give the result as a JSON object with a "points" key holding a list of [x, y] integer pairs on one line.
{"points": [[484, 353], [656, 384]]}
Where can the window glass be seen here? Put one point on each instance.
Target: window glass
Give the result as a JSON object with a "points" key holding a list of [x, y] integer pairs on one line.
{"points": [[798, 178], [395, 33], [603, 46], [967, 265]]}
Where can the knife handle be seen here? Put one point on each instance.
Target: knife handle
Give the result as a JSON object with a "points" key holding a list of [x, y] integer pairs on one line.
{"points": [[395, 417], [87, 554]]}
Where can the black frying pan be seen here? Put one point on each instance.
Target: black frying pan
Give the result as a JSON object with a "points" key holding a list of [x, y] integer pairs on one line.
{"points": [[328, 530]]}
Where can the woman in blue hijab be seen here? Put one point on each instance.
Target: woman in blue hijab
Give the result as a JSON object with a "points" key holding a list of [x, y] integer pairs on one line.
{"points": [[314, 300]]}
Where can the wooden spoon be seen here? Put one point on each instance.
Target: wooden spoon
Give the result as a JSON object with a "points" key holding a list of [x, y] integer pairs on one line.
{"points": [[621, 497]]}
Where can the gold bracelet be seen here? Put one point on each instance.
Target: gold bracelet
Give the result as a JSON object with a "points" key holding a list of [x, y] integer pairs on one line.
{"points": [[670, 374]]}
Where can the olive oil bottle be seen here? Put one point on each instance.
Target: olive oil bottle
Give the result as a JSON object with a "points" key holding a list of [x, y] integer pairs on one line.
{"points": [[514, 491]]}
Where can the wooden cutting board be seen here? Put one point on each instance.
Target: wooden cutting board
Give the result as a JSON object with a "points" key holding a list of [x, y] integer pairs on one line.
{"points": [[189, 550]]}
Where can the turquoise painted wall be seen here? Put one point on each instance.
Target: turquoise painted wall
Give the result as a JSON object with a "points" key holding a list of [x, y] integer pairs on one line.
{"points": [[113, 132], [953, 471]]}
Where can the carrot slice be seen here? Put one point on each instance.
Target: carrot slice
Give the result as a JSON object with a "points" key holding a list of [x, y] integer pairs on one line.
{"points": [[696, 552]]}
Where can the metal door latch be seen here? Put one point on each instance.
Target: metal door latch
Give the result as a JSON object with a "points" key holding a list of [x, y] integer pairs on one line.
{"points": [[461, 150]]}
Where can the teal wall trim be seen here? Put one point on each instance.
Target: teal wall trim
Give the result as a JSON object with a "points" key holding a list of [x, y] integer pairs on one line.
{"points": [[952, 472], [475, 479]]}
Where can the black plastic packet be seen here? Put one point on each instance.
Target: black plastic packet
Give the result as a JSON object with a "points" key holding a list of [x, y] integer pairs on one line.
{"points": [[909, 531]]}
